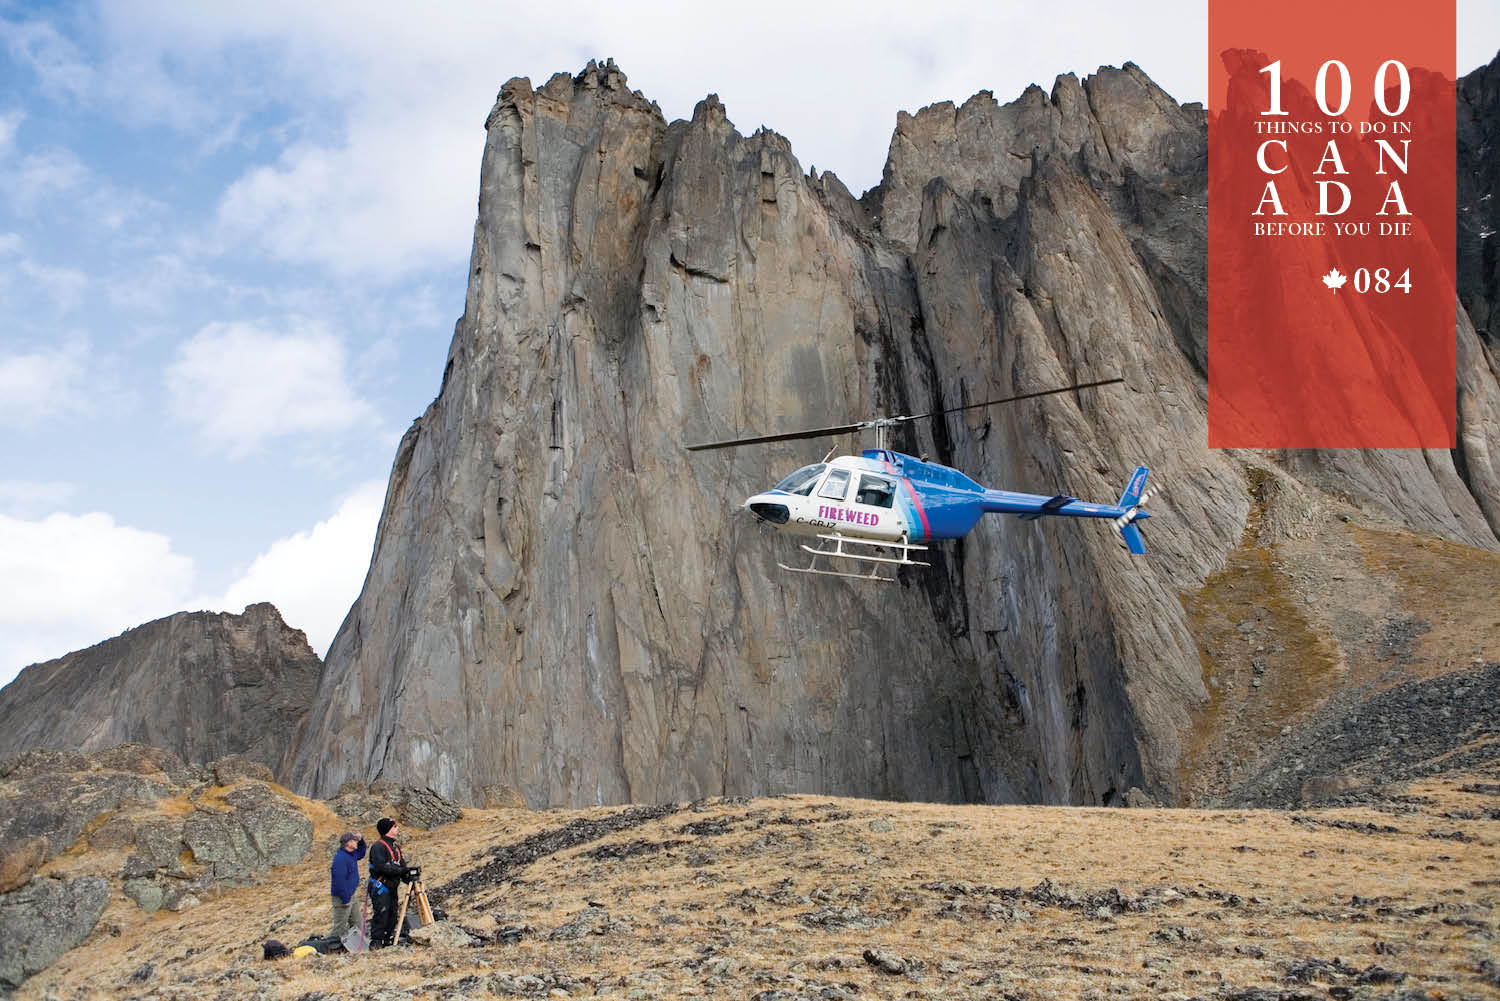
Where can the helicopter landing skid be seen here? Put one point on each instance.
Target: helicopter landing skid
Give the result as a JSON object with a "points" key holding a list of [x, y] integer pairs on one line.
{"points": [[838, 552]]}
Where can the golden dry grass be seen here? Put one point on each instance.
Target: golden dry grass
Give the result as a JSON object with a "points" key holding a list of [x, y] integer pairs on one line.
{"points": [[791, 894]]}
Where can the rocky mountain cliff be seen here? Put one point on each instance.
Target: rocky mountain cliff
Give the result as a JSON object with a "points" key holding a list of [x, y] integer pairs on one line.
{"points": [[1478, 182], [563, 604], [201, 685]]}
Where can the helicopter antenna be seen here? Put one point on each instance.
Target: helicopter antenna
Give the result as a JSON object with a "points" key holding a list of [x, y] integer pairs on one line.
{"points": [[882, 424]]}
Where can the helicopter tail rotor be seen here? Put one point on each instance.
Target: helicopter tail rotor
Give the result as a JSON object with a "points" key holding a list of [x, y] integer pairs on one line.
{"points": [[1133, 500]]}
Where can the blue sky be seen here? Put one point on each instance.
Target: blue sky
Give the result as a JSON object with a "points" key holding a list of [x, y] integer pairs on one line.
{"points": [[234, 241]]}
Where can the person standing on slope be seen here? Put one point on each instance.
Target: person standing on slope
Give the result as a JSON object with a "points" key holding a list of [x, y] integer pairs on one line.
{"points": [[386, 872], [344, 879]]}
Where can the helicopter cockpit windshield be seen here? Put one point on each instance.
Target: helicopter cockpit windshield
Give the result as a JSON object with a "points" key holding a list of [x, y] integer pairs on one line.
{"points": [[802, 481]]}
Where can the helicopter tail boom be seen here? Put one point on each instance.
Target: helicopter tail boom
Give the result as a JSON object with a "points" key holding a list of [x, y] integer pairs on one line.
{"points": [[1030, 507]]}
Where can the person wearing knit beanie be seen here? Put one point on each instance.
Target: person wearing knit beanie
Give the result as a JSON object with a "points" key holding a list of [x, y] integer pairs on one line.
{"points": [[386, 870]]}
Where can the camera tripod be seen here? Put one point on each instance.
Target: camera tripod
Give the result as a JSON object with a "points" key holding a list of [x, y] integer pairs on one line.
{"points": [[424, 908]]}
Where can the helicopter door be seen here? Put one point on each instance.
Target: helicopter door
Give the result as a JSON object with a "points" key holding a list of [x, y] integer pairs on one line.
{"points": [[876, 492], [873, 502]]}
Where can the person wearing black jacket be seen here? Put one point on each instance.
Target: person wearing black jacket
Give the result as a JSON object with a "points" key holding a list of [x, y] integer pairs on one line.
{"points": [[387, 871]]}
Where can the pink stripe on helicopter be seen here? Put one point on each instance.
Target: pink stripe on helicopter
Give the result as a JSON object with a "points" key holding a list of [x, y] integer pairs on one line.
{"points": [[911, 492]]}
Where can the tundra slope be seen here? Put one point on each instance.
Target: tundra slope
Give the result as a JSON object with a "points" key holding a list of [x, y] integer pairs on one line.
{"points": [[817, 899]]}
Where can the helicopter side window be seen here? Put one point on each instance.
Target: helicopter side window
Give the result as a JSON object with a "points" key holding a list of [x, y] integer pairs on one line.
{"points": [[876, 491], [836, 485], [802, 481]]}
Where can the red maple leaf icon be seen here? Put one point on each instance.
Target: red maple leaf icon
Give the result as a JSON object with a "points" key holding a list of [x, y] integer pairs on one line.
{"points": [[1334, 279]]}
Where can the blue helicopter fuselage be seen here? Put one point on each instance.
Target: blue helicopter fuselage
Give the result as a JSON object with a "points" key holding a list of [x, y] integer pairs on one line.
{"points": [[883, 494], [948, 504]]}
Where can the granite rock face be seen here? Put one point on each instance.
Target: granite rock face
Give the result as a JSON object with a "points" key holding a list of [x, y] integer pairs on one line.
{"points": [[43, 920], [366, 804], [19, 860], [201, 685], [1478, 183], [259, 831], [57, 807], [564, 606], [111, 799]]}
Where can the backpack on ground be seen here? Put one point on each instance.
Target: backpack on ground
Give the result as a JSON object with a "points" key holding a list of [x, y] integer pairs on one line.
{"points": [[324, 943]]}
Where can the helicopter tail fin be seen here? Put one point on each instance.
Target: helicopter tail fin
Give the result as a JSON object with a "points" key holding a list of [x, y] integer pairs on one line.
{"points": [[1132, 495], [1133, 540], [1130, 501]]}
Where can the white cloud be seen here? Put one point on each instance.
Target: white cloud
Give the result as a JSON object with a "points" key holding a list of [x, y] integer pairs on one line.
{"points": [[37, 178], [54, 186], [138, 85], [242, 385], [64, 286], [397, 195], [23, 498], [23, 280], [314, 576], [391, 105], [69, 581], [10, 121], [41, 384], [157, 281], [60, 67]]}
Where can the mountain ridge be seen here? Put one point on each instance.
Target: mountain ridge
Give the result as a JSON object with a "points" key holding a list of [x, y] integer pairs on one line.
{"points": [[201, 685]]}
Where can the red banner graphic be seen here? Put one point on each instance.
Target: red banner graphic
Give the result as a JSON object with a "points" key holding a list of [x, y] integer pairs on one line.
{"points": [[1331, 224]]}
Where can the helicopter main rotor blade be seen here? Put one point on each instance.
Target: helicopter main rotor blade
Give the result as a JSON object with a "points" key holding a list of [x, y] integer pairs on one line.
{"points": [[1012, 399], [885, 421], [787, 436]]}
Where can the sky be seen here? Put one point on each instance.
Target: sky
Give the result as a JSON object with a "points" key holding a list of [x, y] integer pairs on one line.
{"points": [[234, 240]]}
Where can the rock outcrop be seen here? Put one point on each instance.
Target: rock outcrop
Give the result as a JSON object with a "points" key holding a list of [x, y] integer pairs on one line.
{"points": [[57, 804], [201, 685], [563, 605], [75, 828], [19, 860], [178, 832], [421, 808], [44, 920]]}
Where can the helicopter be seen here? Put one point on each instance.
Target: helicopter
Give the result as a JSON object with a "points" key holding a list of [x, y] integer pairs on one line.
{"points": [[859, 507]]}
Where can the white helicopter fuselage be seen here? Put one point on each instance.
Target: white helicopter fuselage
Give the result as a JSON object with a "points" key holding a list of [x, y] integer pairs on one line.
{"points": [[859, 497]]}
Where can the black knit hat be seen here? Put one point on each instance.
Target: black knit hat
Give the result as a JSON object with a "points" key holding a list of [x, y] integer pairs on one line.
{"points": [[384, 825]]}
